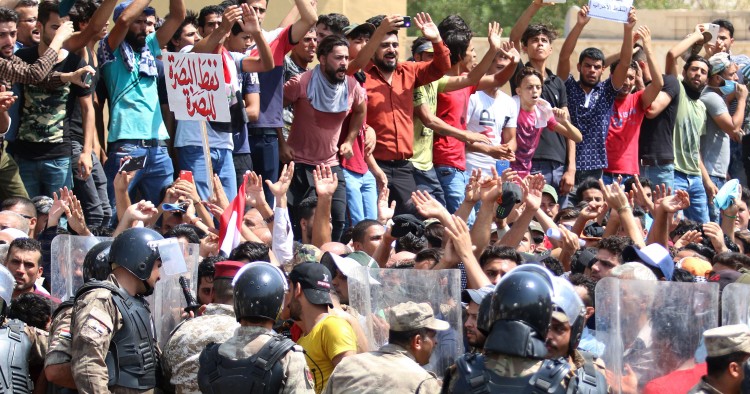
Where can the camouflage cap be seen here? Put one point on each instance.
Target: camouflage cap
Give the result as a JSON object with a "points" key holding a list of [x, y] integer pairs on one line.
{"points": [[409, 316], [724, 340]]}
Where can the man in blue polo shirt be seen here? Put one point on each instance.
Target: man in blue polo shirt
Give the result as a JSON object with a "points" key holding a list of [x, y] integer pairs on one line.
{"points": [[590, 99], [127, 57]]}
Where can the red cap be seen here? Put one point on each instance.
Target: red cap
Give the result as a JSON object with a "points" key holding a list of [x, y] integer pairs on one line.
{"points": [[227, 269]]}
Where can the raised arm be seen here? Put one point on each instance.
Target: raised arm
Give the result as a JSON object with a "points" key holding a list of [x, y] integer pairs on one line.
{"points": [[657, 80], [251, 24], [563, 62], [123, 22], [565, 127], [501, 78], [308, 18], [476, 74], [389, 24], [523, 22], [626, 52], [326, 182], [97, 22], [172, 22], [681, 47], [441, 62], [210, 43]]}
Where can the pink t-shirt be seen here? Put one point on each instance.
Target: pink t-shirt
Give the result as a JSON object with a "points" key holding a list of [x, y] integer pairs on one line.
{"points": [[452, 108], [622, 137], [527, 139], [314, 135]]}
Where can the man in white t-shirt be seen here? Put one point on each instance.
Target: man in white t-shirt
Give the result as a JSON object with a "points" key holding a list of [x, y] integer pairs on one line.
{"points": [[493, 114]]}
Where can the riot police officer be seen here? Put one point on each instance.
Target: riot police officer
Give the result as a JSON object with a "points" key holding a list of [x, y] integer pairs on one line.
{"points": [[113, 339], [57, 363], [21, 346], [233, 366]]}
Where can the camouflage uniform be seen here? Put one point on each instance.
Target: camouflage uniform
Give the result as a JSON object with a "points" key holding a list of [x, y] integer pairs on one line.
{"points": [[503, 365], [391, 369], [95, 321], [216, 325], [248, 340], [59, 339], [704, 388]]}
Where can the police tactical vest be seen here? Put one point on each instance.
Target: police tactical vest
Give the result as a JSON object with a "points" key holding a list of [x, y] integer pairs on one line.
{"points": [[259, 373], [51, 387], [473, 377], [14, 359], [131, 360]]}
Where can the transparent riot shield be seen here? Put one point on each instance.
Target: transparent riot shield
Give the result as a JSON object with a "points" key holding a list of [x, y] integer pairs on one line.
{"points": [[66, 261], [652, 328], [168, 301], [735, 304], [441, 289]]}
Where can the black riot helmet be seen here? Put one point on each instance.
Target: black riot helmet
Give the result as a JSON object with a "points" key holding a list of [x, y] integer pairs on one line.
{"points": [[524, 295], [259, 290], [483, 316], [96, 263], [136, 251]]}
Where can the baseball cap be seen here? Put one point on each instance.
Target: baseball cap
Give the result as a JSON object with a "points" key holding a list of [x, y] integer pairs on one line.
{"points": [[307, 253], [654, 256], [410, 316], [724, 340], [406, 224], [357, 28], [227, 269], [150, 11], [551, 191], [719, 62], [476, 295], [535, 226], [315, 280], [42, 204], [363, 259], [510, 196], [346, 265], [424, 47]]}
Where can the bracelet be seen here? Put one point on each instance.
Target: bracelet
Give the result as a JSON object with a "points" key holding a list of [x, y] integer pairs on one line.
{"points": [[623, 209], [729, 216]]}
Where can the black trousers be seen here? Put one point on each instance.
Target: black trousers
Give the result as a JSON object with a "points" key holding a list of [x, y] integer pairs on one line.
{"points": [[303, 186], [400, 174]]}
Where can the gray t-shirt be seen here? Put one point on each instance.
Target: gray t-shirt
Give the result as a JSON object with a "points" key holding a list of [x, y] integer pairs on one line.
{"points": [[715, 143]]}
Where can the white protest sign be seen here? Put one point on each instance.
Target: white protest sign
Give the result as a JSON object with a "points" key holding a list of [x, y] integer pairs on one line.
{"points": [[196, 87], [611, 10]]}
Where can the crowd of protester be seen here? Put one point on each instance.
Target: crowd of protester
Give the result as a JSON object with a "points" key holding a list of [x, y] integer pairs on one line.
{"points": [[344, 154]]}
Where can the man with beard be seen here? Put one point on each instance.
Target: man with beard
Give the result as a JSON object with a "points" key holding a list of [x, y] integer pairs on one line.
{"points": [[690, 126], [391, 115], [50, 117], [327, 339], [127, 57], [473, 298], [629, 110], [590, 100], [322, 98]]}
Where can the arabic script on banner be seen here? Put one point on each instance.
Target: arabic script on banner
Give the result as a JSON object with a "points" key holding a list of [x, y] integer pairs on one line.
{"points": [[611, 10], [196, 87]]}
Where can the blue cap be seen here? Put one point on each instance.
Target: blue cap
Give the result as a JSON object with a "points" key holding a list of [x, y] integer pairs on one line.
{"points": [[150, 11]]}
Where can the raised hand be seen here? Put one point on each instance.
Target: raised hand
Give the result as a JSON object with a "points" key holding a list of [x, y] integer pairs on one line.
{"points": [[249, 22], [676, 202], [472, 194], [232, 15], [614, 195], [218, 197], [385, 211], [714, 233], [326, 181], [459, 234], [76, 220], [632, 19], [424, 22], [692, 236], [123, 178], [254, 190], [534, 185], [142, 210], [427, 206], [494, 34], [583, 16], [280, 188]]}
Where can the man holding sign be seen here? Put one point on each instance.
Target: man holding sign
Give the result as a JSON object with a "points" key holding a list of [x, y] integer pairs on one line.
{"points": [[589, 99], [127, 57]]}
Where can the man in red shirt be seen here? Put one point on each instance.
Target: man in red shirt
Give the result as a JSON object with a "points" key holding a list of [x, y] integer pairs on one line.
{"points": [[628, 112], [390, 87]]}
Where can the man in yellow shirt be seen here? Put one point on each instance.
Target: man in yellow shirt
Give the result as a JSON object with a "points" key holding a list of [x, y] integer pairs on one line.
{"points": [[328, 339]]}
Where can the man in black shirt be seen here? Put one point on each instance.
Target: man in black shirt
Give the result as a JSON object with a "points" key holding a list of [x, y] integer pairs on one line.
{"points": [[655, 147]]}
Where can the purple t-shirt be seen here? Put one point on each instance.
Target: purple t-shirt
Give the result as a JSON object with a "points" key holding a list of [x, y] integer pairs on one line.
{"points": [[527, 139]]}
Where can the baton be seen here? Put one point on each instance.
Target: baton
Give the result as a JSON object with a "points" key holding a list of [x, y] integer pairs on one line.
{"points": [[192, 303]]}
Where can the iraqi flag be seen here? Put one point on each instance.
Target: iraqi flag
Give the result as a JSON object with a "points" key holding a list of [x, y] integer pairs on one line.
{"points": [[231, 221]]}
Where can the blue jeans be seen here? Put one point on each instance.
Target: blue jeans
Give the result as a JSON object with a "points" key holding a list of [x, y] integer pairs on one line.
{"points": [[361, 196], [713, 210], [265, 148], [191, 159], [92, 192], [453, 181], [659, 174], [428, 181], [610, 178], [157, 175], [698, 209], [553, 172], [42, 177]]}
